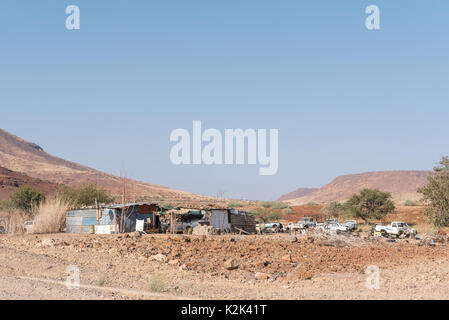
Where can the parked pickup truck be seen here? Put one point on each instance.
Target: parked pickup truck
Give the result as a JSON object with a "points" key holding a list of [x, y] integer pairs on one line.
{"points": [[396, 229], [273, 227], [307, 222], [335, 226], [351, 224], [332, 226]]}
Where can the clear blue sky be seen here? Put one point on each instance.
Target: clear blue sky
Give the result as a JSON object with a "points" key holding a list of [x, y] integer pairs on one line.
{"points": [[345, 99]]}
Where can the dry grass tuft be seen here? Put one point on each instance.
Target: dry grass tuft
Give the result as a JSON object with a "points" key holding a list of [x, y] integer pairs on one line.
{"points": [[50, 215], [157, 283], [12, 221]]}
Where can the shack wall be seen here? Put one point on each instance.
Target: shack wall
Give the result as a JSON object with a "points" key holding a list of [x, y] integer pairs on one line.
{"points": [[81, 221], [220, 219]]}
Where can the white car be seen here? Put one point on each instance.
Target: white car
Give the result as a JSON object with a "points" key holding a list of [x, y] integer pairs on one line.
{"points": [[337, 227], [28, 226], [351, 224]]}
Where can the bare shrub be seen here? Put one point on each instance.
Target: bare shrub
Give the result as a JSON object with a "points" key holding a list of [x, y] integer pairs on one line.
{"points": [[50, 215]]}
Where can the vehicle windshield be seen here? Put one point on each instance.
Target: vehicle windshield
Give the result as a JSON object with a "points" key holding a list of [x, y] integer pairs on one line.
{"points": [[402, 225]]}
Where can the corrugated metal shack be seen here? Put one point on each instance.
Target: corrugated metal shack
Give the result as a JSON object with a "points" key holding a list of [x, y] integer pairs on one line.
{"points": [[232, 220], [113, 219], [81, 221]]}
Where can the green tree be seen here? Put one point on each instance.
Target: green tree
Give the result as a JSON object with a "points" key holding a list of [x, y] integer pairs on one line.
{"points": [[25, 199], [370, 204], [333, 209], [267, 204], [436, 194], [265, 215], [86, 195]]}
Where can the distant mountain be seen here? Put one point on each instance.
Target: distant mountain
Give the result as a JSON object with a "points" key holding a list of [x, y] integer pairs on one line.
{"points": [[10, 181], [403, 186], [300, 192], [25, 157]]}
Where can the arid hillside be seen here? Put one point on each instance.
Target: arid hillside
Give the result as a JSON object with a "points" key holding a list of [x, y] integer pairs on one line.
{"points": [[402, 184], [10, 181], [28, 158], [300, 192]]}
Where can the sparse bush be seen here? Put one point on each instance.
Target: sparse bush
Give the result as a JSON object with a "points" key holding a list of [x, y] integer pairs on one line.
{"points": [[86, 195], [410, 203], [287, 211], [5, 204], [101, 280], [334, 209], [265, 215], [311, 203], [50, 215], [279, 205], [25, 199], [234, 204], [267, 204], [167, 205], [157, 283]]}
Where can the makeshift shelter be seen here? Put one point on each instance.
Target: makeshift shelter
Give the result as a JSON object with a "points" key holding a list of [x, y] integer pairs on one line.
{"points": [[231, 220], [113, 219]]}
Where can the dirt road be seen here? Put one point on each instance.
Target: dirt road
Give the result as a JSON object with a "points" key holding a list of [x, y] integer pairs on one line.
{"points": [[164, 267]]}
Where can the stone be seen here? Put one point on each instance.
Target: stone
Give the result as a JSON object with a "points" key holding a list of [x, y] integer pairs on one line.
{"points": [[136, 234], [230, 264], [47, 242], [299, 273], [287, 258], [261, 276], [173, 262], [159, 257]]}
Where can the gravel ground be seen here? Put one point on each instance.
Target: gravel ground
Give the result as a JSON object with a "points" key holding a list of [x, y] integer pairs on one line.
{"points": [[171, 267]]}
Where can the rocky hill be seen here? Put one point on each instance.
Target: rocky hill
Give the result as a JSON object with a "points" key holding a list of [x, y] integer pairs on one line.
{"points": [[300, 192], [28, 158], [10, 181], [402, 184]]}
